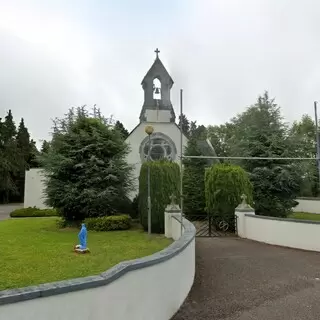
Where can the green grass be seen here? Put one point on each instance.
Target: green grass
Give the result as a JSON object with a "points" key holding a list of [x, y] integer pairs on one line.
{"points": [[305, 216], [34, 251]]}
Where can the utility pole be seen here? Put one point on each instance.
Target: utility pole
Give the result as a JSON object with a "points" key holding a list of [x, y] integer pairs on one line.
{"points": [[317, 137]]}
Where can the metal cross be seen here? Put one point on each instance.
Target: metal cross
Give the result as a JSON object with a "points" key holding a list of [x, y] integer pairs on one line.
{"points": [[157, 51], [173, 199]]}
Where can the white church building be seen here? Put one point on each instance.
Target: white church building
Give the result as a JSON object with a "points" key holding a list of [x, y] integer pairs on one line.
{"points": [[157, 111]]}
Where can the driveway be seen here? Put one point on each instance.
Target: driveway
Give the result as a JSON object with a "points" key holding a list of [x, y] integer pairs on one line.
{"points": [[238, 279], [5, 209]]}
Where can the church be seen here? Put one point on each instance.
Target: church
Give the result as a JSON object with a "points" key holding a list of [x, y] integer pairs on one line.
{"points": [[157, 111]]}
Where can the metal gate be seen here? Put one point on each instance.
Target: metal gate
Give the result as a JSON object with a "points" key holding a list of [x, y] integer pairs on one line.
{"points": [[214, 225]]}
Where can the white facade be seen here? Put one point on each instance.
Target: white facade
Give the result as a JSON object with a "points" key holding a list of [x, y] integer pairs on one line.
{"points": [[34, 186], [158, 116], [138, 135]]}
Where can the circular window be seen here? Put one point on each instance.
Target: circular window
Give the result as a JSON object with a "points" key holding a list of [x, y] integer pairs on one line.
{"points": [[161, 147]]}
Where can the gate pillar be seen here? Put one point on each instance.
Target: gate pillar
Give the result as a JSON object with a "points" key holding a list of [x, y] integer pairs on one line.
{"points": [[240, 220]]}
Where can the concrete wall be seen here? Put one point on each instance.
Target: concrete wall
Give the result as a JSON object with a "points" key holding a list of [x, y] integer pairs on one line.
{"points": [[34, 186], [311, 205], [293, 233], [151, 288]]}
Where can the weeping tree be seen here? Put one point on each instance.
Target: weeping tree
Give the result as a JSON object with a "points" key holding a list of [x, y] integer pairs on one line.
{"points": [[164, 182], [85, 166], [224, 186]]}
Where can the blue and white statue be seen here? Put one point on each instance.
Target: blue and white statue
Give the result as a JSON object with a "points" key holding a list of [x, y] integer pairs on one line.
{"points": [[82, 247]]}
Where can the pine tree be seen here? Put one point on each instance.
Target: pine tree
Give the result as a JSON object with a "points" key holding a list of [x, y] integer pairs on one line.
{"points": [[23, 143], [184, 123], [193, 180], [87, 174], [261, 132], [120, 127], [9, 163], [45, 147]]}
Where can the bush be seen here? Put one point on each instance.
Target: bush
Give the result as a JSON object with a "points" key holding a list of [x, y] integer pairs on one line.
{"points": [[224, 185], [110, 223], [33, 212], [164, 182]]}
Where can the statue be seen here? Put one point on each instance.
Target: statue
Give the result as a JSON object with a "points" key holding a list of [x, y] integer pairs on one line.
{"points": [[82, 247]]}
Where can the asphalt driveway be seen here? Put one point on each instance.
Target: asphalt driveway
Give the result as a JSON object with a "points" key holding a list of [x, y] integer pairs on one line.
{"points": [[5, 209], [238, 279]]}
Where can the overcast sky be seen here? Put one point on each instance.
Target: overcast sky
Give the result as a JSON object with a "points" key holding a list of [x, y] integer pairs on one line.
{"points": [[56, 54]]}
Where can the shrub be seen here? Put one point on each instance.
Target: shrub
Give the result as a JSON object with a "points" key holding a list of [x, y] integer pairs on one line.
{"points": [[224, 185], [33, 212], [110, 223], [164, 181]]}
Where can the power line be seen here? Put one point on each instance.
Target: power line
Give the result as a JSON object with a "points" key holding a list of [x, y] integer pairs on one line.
{"points": [[246, 158]]}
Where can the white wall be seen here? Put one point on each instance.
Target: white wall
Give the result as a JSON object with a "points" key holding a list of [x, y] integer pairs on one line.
{"points": [[34, 186], [311, 205], [137, 136], [291, 233], [151, 293]]}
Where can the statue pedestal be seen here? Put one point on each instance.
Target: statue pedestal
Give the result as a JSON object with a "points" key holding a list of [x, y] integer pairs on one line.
{"points": [[78, 249]]}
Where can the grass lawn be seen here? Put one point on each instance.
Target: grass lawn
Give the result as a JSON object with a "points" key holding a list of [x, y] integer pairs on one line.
{"points": [[34, 251], [305, 216]]}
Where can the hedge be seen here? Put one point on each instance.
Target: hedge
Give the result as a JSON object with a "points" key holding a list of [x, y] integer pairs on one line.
{"points": [[164, 182], [33, 212], [109, 223], [224, 186]]}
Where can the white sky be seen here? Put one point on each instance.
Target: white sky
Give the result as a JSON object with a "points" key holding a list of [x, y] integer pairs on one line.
{"points": [[223, 53]]}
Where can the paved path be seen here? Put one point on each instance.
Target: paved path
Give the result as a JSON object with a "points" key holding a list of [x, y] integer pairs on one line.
{"points": [[5, 209], [239, 279]]}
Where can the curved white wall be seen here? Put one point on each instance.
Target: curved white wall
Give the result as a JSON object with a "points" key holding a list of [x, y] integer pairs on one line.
{"points": [[292, 233], [310, 205], [154, 292]]}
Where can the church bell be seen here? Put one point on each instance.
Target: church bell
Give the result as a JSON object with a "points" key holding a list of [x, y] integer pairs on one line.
{"points": [[157, 91]]}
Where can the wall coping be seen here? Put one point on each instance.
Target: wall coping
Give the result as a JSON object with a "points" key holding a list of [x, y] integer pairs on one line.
{"points": [[281, 219], [308, 198], [104, 278]]}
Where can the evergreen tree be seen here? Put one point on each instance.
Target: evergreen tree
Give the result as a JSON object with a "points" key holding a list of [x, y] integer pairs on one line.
{"points": [[87, 174], [9, 128], [303, 137], [184, 123], [120, 127], [193, 180], [261, 132], [33, 159], [23, 144], [9, 164], [45, 147]]}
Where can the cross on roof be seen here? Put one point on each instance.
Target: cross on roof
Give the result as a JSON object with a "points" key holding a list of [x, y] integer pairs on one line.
{"points": [[244, 199], [157, 51], [173, 199]]}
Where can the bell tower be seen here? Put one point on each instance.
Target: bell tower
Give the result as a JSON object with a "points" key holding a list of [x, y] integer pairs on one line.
{"points": [[157, 83]]}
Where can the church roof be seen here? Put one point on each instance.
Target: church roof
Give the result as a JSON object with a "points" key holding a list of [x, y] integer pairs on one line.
{"points": [[206, 149], [157, 70]]}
